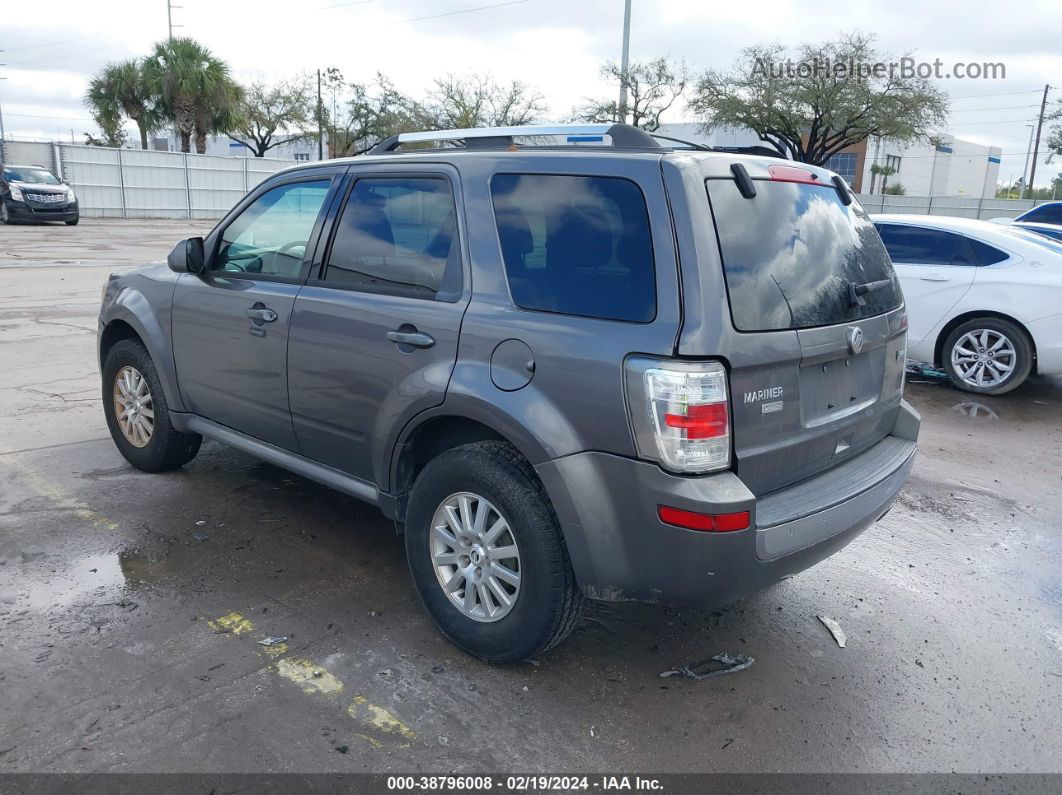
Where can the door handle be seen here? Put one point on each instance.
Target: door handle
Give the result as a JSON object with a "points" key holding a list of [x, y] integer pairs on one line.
{"points": [[416, 339], [262, 315], [935, 277]]}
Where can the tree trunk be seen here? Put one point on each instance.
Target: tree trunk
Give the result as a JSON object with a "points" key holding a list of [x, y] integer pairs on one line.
{"points": [[200, 142], [186, 141], [143, 134]]}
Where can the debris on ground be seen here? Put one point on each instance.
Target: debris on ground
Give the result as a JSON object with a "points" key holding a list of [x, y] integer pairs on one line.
{"points": [[835, 630], [201, 523], [273, 640], [200, 537], [342, 748], [437, 669], [719, 665], [926, 370]]}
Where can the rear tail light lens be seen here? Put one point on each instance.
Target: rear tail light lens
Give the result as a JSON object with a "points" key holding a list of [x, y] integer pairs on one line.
{"points": [[688, 416]]}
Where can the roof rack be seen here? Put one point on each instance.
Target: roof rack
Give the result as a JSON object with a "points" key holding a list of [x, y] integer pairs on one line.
{"points": [[624, 136]]}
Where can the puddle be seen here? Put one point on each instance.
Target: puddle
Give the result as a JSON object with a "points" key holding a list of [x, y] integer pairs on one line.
{"points": [[42, 584]]}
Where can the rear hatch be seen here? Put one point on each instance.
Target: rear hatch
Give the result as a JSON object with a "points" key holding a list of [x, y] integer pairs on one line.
{"points": [[817, 331]]}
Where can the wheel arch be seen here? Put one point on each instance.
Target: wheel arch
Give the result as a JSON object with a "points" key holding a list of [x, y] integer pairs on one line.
{"points": [[958, 320], [130, 316], [434, 432]]}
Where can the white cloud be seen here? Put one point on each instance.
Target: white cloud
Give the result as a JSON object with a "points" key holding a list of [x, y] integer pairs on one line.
{"points": [[556, 45]]}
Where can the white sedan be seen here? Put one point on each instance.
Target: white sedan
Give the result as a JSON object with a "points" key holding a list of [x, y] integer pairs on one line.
{"points": [[984, 301]]}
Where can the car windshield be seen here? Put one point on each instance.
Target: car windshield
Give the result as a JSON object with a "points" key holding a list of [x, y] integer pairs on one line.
{"points": [[33, 176]]}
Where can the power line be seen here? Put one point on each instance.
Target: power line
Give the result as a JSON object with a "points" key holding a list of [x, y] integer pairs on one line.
{"points": [[1002, 94], [1005, 107], [344, 5], [460, 11]]}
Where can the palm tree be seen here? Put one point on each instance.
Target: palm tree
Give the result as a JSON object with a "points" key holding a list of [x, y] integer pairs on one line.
{"points": [[119, 89], [193, 86]]}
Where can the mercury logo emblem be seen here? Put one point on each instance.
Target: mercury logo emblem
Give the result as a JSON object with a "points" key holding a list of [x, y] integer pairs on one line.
{"points": [[855, 339]]}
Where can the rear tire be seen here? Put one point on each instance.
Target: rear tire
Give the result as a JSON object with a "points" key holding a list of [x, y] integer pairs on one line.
{"points": [[987, 356], [546, 602], [137, 414], [5, 214]]}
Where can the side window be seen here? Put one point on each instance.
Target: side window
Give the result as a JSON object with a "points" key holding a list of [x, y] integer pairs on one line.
{"points": [[576, 245], [1047, 214], [985, 254], [916, 245], [397, 236], [269, 237]]}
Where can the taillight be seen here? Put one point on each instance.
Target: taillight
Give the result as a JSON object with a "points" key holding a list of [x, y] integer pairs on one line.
{"points": [[688, 415]]}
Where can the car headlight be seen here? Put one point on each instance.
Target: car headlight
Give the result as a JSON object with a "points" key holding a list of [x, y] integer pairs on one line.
{"points": [[16, 193], [70, 194]]}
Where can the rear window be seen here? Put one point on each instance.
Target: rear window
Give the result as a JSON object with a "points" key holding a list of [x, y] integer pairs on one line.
{"points": [[791, 252], [576, 245], [1046, 214]]}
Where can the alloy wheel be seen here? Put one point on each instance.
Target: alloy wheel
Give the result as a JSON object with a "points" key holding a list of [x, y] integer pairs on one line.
{"points": [[133, 406], [475, 556], [984, 358]]}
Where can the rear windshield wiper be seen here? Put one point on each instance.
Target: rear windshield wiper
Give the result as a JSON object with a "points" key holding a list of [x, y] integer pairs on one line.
{"points": [[857, 291]]}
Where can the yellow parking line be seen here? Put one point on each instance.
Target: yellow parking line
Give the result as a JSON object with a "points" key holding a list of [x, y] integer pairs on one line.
{"points": [[232, 622], [311, 677], [378, 718], [53, 491]]}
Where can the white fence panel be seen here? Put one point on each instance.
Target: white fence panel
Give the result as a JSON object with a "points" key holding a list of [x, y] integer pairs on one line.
{"points": [[29, 153], [258, 168], [95, 175], [136, 183], [961, 206], [156, 184], [215, 184]]}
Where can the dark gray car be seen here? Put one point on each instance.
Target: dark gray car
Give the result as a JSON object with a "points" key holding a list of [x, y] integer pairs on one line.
{"points": [[601, 369]]}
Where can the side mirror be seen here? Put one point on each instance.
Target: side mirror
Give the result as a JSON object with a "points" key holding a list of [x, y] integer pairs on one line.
{"points": [[187, 256]]}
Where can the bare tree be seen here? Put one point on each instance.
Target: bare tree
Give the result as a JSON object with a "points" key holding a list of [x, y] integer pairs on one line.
{"points": [[463, 102], [811, 104], [653, 87], [270, 116]]}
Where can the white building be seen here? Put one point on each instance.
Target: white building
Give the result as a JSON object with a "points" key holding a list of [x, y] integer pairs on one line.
{"points": [[951, 167], [300, 149]]}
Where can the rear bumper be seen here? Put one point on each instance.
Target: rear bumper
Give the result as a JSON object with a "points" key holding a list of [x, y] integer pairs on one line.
{"points": [[28, 211], [620, 550]]}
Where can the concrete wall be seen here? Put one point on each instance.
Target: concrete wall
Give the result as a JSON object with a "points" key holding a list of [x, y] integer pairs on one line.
{"points": [[961, 206]]}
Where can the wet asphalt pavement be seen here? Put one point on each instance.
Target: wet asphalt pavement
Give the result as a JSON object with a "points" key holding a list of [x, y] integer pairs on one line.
{"points": [[131, 605]]}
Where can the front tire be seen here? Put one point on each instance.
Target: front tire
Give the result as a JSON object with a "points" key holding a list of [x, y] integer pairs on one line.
{"points": [[487, 555], [5, 214], [137, 414], [987, 356], [73, 221]]}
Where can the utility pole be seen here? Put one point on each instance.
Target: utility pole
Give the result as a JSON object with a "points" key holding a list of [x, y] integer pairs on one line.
{"points": [[1036, 143], [169, 19], [1028, 154], [625, 60], [2, 123], [320, 120]]}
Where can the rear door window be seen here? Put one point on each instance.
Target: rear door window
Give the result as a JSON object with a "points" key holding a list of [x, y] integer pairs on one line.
{"points": [[576, 245], [791, 253], [917, 245], [397, 236]]}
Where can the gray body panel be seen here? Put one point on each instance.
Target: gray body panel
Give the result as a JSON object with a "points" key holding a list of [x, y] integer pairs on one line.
{"points": [[327, 395]]}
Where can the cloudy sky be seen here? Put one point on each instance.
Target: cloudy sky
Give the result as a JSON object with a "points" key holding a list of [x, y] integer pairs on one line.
{"points": [[52, 48]]}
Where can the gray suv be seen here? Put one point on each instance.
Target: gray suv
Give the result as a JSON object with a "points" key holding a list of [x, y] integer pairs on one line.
{"points": [[568, 362]]}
